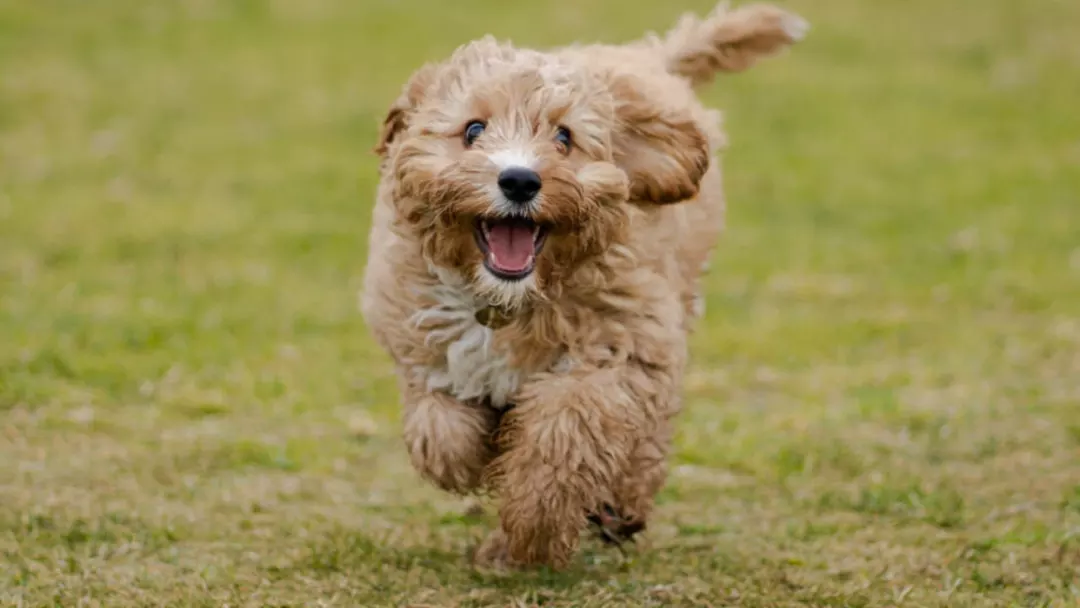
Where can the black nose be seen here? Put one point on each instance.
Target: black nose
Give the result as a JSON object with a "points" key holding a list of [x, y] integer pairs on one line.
{"points": [[519, 184]]}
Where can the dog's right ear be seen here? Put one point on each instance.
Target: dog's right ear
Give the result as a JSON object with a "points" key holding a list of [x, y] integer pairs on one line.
{"points": [[397, 119]]}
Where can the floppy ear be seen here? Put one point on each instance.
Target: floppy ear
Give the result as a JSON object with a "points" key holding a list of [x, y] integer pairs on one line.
{"points": [[397, 118], [662, 149]]}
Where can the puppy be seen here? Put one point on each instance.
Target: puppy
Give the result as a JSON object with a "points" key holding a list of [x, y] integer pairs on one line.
{"points": [[541, 224]]}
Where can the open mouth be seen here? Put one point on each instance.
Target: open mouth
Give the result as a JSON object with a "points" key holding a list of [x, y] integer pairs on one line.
{"points": [[510, 245]]}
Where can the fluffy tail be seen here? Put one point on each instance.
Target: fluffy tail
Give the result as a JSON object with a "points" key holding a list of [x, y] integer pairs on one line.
{"points": [[729, 40]]}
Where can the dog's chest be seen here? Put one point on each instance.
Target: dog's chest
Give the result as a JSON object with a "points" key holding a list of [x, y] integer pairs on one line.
{"points": [[473, 365]]}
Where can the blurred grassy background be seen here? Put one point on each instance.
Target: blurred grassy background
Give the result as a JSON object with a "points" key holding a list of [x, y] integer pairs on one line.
{"points": [[885, 403]]}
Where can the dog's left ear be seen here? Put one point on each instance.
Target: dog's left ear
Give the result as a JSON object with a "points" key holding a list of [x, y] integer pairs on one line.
{"points": [[661, 147], [397, 118]]}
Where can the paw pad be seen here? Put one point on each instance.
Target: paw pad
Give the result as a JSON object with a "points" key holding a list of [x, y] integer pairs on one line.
{"points": [[612, 527]]}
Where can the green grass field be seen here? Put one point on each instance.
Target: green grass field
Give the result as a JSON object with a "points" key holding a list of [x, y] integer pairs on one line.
{"points": [[884, 407]]}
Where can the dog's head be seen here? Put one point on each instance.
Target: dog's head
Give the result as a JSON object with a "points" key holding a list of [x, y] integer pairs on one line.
{"points": [[513, 167]]}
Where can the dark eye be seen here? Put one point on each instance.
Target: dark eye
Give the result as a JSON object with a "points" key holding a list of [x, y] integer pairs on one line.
{"points": [[473, 130], [562, 137]]}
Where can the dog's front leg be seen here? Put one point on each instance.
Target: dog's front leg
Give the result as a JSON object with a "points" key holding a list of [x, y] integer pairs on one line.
{"points": [[449, 441], [565, 447]]}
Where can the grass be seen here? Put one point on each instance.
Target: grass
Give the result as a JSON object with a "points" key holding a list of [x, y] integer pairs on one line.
{"points": [[885, 401]]}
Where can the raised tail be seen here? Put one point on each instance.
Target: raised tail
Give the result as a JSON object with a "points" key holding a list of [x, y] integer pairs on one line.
{"points": [[728, 40]]}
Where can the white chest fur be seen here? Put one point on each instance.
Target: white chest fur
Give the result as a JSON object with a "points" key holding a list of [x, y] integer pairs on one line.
{"points": [[474, 367]]}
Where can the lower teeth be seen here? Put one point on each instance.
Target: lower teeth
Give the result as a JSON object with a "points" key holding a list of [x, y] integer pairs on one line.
{"points": [[494, 262]]}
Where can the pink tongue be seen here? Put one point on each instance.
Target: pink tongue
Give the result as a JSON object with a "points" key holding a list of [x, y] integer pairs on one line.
{"points": [[511, 246]]}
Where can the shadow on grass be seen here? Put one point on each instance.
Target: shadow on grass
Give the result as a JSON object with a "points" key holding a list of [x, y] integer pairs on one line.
{"points": [[355, 553]]}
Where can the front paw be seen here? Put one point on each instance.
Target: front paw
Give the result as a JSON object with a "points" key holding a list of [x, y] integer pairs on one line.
{"points": [[448, 442], [454, 468], [544, 533]]}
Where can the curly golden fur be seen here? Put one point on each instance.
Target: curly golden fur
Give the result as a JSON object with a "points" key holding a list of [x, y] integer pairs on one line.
{"points": [[562, 407]]}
